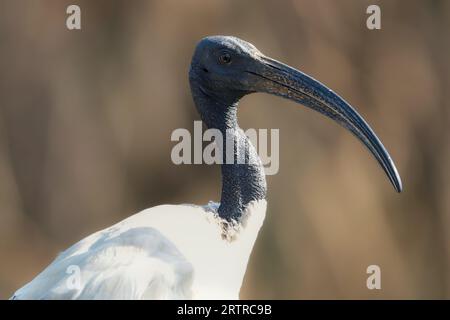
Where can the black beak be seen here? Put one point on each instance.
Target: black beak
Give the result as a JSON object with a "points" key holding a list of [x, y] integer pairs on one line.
{"points": [[282, 80]]}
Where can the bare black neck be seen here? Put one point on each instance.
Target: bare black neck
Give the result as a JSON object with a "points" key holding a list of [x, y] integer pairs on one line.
{"points": [[242, 181]]}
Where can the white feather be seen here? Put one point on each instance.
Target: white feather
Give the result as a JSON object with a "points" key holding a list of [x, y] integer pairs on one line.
{"points": [[165, 252]]}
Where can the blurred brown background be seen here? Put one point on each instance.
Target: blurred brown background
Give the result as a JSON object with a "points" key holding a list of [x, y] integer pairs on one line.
{"points": [[86, 118]]}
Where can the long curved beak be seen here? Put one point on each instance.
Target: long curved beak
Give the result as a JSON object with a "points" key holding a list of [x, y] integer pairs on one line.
{"points": [[282, 80]]}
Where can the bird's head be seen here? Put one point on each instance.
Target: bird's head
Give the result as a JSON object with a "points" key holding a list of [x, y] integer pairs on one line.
{"points": [[226, 68]]}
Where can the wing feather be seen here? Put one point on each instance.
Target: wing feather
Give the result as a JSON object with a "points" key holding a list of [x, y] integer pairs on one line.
{"points": [[117, 263]]}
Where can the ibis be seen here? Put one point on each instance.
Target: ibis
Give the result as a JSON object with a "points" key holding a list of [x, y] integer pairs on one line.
{"points": [[200, 251]]}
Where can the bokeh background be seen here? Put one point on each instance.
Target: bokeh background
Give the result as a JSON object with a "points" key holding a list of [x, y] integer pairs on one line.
{"points": [[86, 118]]}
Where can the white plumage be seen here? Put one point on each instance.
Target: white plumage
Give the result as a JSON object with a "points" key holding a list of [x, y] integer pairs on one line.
{"points": [[165, 252]]}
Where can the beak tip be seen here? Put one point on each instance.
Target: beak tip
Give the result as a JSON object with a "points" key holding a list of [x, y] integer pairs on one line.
{"points": [[397, 182]]}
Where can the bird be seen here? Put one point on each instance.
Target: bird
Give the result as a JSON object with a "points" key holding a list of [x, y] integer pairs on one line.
{"points": [[190, 251]]}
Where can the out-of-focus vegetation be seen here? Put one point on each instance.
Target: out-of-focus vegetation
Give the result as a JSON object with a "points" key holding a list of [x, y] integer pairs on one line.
{"points": [[86, 118]]}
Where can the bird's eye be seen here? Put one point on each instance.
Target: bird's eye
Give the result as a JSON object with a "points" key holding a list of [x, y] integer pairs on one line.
{"points": [[225, 58]]}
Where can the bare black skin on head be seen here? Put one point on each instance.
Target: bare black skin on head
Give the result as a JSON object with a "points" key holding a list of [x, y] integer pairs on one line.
{"points": [[223, 70]]}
